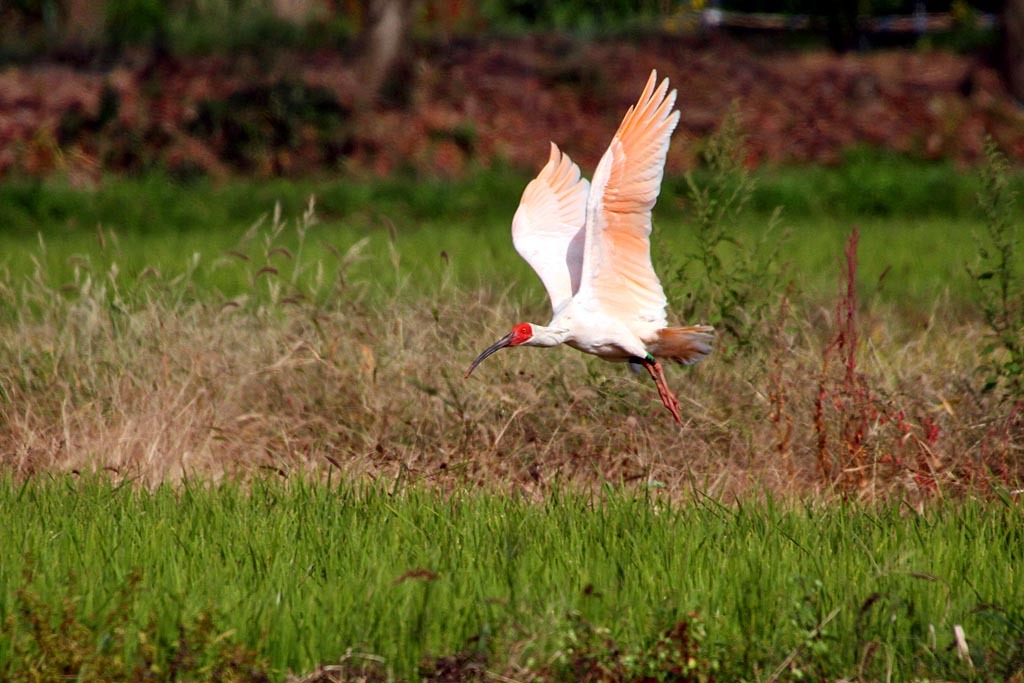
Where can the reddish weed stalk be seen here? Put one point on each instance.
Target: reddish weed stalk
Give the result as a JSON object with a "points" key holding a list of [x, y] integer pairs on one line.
{"points": [[850, 398], [871, 430], [864, 437]]}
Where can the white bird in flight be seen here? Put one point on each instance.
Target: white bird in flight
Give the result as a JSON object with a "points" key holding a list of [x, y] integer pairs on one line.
{"points": [[590, 245]]}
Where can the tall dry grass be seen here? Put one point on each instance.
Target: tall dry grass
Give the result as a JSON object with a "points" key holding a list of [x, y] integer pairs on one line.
{"points": [[153, 379]]}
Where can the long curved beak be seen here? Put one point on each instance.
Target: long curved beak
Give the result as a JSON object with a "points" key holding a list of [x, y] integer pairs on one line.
{"points": [[497, 346]]}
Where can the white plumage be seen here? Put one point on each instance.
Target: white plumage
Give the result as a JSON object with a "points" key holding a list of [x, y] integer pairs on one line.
{"points": [[590, 246]]}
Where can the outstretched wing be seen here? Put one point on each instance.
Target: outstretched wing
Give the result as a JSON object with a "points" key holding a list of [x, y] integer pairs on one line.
{"points": [[617, 272], [548, 228]]}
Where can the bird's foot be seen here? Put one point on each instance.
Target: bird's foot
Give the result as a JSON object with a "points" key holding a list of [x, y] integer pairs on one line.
{"points": [[666, 395]]}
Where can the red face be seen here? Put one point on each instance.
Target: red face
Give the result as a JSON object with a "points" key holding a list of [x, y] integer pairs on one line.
{"points": [[521, 333]]}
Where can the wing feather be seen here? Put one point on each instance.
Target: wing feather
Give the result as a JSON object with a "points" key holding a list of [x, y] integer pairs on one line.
{"points": [[617, 272], [548, 227]]}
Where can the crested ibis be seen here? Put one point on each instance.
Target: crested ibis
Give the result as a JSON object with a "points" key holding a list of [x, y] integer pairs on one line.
{"points": [[589, 242]]}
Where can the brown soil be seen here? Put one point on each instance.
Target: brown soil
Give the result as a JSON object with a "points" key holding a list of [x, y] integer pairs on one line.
{"points": [[474, 103]]}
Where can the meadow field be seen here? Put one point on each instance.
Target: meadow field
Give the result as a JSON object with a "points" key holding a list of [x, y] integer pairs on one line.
{"points": [[237, 443]]}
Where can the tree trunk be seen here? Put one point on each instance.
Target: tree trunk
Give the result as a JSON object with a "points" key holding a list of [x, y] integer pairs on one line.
{"points": [[1013, 48], [384, 50]]}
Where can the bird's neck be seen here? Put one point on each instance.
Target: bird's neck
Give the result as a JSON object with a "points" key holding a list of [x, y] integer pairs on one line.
{"points": [[547, 336]]}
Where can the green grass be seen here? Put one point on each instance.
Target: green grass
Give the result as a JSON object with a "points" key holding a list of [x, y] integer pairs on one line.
{"points": [[917, 223], [302, 573], [906, 259]]}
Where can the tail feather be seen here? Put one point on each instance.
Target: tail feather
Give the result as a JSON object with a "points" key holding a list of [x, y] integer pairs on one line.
{"points": [[684, 345]]}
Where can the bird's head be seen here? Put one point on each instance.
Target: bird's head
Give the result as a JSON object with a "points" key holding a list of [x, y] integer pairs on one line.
{"points": [[522, 334]]}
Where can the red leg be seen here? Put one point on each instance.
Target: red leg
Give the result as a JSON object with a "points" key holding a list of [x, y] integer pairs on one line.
{"points": [[667, 397]]}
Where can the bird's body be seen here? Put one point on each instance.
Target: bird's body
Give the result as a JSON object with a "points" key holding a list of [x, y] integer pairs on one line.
{"points": [[590, 245]]}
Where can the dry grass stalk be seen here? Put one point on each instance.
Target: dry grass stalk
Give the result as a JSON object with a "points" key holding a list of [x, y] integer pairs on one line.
{"points": [[154, 383]]}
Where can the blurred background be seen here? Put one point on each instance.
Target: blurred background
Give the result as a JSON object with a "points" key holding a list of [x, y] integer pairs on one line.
{"points": [[443, 88]]}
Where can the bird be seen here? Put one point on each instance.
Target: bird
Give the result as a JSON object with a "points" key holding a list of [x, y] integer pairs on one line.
{"points": [[589, 243]]}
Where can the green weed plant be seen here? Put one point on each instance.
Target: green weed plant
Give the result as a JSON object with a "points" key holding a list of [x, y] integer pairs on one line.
{"points": [[730, 281], [998, 283]]}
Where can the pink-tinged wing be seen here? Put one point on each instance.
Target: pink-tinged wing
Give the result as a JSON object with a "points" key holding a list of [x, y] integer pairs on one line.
{"points": [[548, 228], [617, 271]]}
